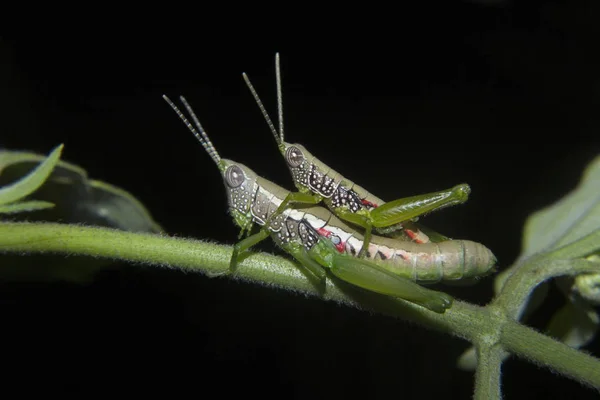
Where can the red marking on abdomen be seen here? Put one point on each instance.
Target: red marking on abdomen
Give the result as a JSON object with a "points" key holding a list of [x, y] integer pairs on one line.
{"points": [[414, 236], [324, 232], [341, 246], [368, 203]]}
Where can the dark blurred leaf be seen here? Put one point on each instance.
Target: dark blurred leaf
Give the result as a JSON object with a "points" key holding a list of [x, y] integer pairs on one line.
{"points": [[576, 323], [77, 199]]}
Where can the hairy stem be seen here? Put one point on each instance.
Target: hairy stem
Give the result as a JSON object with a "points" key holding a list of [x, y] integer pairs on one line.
{"points": [[487, 375], [543, 350], [212, 259], [487, 327]]}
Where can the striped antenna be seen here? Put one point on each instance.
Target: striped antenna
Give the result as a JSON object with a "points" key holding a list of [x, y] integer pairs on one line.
{"points": [[200, 133], [278, 138], [279, 96]]}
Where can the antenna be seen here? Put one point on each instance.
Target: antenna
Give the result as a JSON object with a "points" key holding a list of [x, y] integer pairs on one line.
{"points": [[200, 133], [278, 139], [279, 96]]}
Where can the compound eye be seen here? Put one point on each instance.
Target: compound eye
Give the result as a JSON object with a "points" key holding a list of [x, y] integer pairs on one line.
{"points": [[294, 156], [234, 176]]}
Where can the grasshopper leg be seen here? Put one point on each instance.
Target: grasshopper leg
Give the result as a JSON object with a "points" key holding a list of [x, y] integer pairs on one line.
{"points": [[245, 244], [316, 270], [405, 209], [294, 197], [402, 210], [369, 276], [298, 197], [361, 220]]}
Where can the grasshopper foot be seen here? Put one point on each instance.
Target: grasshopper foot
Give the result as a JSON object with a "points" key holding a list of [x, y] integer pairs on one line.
{"points": [[438, 302]]}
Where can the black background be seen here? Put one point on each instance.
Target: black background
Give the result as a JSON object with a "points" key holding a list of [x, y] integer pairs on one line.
{"points": [[503, 96]]}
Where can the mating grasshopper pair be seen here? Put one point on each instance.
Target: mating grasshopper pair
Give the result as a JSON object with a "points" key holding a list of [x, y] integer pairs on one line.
{"points": [[317, 239]]}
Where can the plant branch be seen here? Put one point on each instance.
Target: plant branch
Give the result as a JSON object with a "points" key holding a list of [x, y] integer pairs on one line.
{"points": [[543, 350], [485, 326], [487, 374], [462, 319]]}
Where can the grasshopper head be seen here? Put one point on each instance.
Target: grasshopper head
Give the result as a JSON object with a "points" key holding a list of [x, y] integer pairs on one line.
{"points": [[240, 184], [299, 161]]}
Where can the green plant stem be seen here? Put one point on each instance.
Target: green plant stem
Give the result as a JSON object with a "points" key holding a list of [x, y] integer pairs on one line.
{"points": [[484, 326], [543, 350], [487, 374]]}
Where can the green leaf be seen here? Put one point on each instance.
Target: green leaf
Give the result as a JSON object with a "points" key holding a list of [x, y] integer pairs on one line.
{"points": [[29, 183], [571, 227]]}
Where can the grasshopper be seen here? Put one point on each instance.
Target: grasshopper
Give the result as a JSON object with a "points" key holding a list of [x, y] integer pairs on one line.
{"points": [[318, 240], [317, 182]]}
